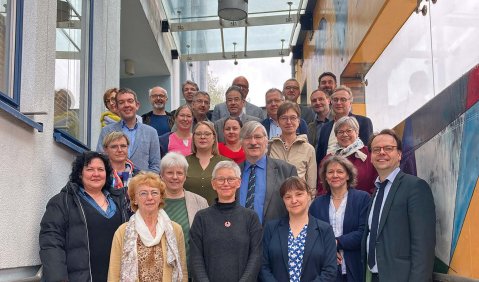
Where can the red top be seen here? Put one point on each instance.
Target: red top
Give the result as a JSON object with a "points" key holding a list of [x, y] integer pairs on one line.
{"points": [[238, 156], [367, 174]]}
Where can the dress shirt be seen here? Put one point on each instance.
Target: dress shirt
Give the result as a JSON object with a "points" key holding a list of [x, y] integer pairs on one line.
{"points": [[336, 219], [260, 186], [274, 129], [131, 133], [390, 179]]}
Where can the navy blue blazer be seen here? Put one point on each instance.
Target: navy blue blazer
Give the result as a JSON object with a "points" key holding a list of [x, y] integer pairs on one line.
{"points": [[319, 259], [365, 132], [354, 223], [302, 128]]}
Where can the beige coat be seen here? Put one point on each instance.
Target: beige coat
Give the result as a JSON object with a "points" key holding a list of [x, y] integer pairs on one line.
{"points": [[117, 251], [301, 154]]}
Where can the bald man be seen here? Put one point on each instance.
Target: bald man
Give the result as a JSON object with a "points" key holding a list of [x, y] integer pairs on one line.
{"points": [[221, 111]]}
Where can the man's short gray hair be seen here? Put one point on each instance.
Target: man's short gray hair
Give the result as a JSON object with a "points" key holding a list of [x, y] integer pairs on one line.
{"points": [[226, 164], [161, 88], [173, 159], [343, 88], [272, 90], [250, 127], [347, 120]]}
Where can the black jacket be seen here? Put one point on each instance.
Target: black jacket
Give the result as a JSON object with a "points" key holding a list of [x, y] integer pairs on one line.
{"points": [[147, 118], [64, 245]]}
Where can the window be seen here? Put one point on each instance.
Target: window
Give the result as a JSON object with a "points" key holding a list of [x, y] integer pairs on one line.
{"points": [[72, 69], [7, 52]]}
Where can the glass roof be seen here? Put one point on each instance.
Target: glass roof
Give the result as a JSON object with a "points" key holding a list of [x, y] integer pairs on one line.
{"points": [[200, 34]]}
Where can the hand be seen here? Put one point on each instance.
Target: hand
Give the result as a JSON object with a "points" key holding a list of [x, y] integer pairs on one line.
{"points": [[339, 258]]}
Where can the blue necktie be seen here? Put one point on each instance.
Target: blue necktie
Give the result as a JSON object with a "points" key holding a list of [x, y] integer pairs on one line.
{"points": [[251, 186], [373, 229]]}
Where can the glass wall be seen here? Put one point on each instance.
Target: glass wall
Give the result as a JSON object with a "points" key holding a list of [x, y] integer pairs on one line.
{"points": [[7, 47]]}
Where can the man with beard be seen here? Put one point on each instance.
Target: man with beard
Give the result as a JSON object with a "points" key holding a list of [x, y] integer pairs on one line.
{"points": [[159, 118]]}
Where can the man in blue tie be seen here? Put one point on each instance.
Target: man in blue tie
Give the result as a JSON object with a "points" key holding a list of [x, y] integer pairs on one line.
{"points": [[400, 234], [262, 176]]}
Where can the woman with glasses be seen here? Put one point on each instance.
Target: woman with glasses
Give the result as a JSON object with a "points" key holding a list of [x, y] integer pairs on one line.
{"points": [[294, 148], [298, 247], [149, 247], [179, 140], [110, 116], [225, 239], [345, 209], [77, 228], [232, 148], [350, 146], [204, 156]]}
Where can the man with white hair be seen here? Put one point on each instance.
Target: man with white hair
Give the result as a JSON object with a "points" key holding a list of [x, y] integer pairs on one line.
{"points": [[262, 175], [158, 118]]}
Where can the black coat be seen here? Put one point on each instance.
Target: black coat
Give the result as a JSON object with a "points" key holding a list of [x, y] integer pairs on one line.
{"points": [[64, 245]]}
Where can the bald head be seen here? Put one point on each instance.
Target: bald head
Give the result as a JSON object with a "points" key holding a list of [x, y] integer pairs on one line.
{"points": [[242, 83]]}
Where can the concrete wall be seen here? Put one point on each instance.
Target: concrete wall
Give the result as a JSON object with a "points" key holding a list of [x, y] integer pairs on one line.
{"points": [[34, 166]]}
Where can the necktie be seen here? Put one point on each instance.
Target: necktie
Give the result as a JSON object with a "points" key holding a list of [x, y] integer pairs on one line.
{"points": [[251, 186], [373, 230]]}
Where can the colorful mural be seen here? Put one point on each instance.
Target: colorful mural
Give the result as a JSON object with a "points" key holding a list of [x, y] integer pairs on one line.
{"points": [[441, 146]]}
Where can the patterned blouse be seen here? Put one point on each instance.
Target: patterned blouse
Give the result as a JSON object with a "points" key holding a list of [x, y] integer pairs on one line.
{"points": [[295, 253], [150, 262]]}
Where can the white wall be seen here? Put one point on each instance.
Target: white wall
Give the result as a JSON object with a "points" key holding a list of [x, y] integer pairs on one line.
{"points": [[33, 166]]}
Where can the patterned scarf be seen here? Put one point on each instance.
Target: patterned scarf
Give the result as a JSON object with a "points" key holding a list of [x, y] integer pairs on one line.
{"points": [[127, 175], [136, 226], [351, 149]]}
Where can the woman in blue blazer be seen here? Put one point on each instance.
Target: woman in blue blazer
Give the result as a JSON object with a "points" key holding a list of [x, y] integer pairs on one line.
{"points": [[345, 208], [298, 247]]}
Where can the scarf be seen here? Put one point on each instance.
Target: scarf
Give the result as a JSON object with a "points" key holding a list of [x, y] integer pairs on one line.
{"points": [[127, 175], [136, 227], [108, 118], [351, 149]]}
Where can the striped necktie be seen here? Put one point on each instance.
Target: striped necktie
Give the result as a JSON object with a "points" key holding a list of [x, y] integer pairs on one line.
{"points": [[251, 187]]}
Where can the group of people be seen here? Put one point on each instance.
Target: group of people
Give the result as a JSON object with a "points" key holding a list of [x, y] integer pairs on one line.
{"points": [[293, 193]]}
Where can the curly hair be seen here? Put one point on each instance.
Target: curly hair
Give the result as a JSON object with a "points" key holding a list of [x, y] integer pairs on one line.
{"points": [[84, 160]]}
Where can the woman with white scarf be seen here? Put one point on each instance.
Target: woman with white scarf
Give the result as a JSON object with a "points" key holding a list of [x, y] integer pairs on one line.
{"points": [[149, 247], [352, 148]]}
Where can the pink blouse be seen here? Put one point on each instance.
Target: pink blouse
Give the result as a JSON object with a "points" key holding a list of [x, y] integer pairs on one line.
{"points": [[179, 145]]}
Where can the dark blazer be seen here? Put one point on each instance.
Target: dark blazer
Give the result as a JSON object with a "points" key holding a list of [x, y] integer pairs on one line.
{"points": [[307, 114], [164, 143], [302, 128], [276, 172], [365, 132], [354, 222], [407, 232], [319, 259]]}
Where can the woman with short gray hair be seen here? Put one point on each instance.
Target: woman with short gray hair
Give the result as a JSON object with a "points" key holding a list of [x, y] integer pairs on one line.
{"points": [[351, 147]]}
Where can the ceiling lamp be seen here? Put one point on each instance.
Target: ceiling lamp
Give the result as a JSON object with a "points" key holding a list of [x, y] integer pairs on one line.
{"points": [[233, 10]]}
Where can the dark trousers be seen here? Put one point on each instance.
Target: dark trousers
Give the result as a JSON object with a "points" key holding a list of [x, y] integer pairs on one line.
{"points": [[340, 277], [374, 277]]}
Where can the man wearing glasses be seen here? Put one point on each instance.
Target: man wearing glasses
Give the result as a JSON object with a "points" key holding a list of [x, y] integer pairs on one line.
{"points": [[158, 118], [291, 91], [221, 110], [341, 99], [400, 235]]}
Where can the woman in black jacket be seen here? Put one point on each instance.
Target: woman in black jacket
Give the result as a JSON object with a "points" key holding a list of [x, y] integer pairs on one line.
{"points": [[77, 228]]}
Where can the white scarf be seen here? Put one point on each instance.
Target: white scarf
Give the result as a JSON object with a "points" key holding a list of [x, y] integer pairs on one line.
{"points": [[351, 149], [136, 227]]}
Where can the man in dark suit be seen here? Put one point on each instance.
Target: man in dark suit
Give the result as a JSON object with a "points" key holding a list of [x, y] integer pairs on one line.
{"points": [[400, 235], [235, 103], [261, 176], [144, 149], [341, 99]]}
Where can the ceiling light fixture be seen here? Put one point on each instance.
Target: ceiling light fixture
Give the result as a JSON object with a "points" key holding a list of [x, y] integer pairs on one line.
{"points": [[234, 54], [233, 10]]}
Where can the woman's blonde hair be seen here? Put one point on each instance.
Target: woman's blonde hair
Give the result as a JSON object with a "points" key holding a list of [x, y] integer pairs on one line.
{"points": [[145, 178]]}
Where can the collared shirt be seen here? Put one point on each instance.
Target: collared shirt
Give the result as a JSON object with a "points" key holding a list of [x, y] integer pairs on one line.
{"points": [[336, 219], [319, 124], [131, 133], [390, 179], [274, 129], [110, 211], [260, 186]]}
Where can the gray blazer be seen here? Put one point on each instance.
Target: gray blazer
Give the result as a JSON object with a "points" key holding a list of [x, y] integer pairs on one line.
{"points": [[194, 203], [220, 124], [407, 232], [307, 113], [145, 153], [221, 111], [276, 173]]}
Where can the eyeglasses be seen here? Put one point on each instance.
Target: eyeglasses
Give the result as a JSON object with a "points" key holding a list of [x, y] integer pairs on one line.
{"points": [[203, 134], [291, 88], [221, 180], [111, 100], [342, 100], [205, 102], [276, 101], [255, 137], [286, 118], [231, 100], [116, 147], [386, 149], [144, 194], [156, 96], [347, 131]]}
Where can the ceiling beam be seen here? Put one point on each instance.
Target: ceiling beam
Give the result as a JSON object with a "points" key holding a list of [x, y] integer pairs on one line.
{"points": [[239, 55], [216, 24]]}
